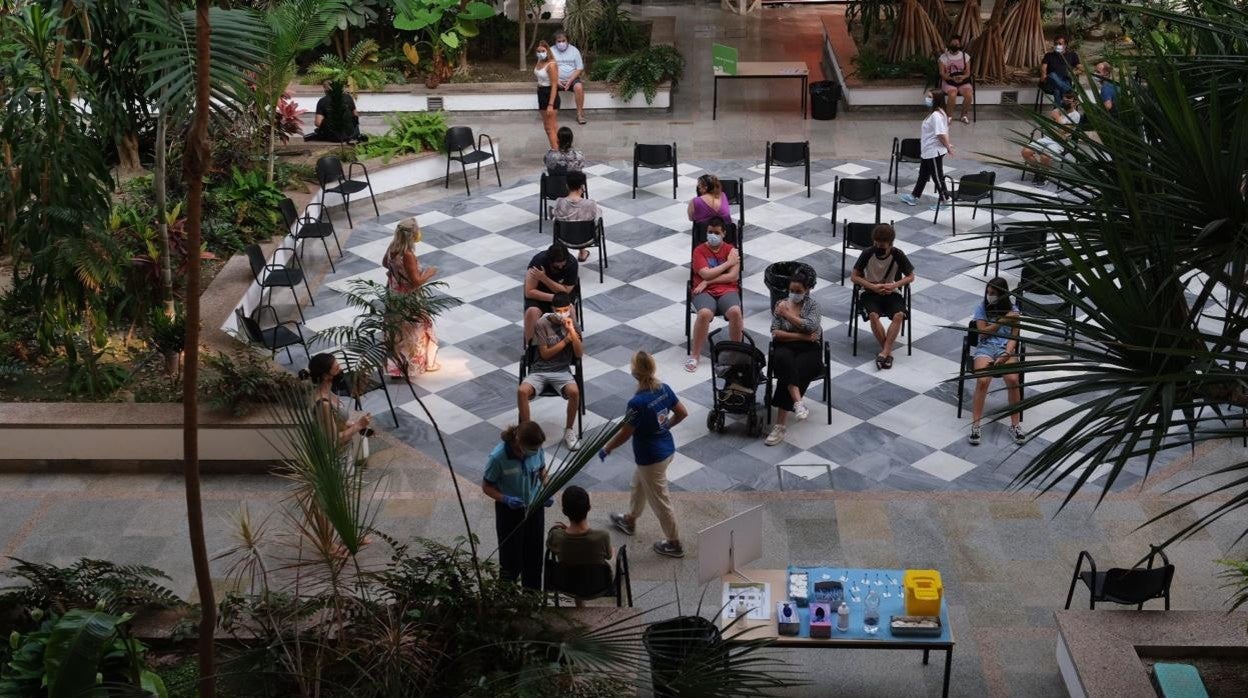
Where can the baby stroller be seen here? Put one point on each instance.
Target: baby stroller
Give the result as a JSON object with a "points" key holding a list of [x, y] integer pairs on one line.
{"points": [[736, 373]]}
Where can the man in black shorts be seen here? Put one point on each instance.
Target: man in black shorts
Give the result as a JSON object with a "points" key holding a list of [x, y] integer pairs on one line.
{"points": [[550, 272], [882, 271]]}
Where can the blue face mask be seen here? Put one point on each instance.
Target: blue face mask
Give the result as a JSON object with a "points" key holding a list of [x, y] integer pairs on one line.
{"points": [[714, 240]]}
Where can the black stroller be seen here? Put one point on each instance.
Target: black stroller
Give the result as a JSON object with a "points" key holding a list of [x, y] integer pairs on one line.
{"points": [[736, 373]]}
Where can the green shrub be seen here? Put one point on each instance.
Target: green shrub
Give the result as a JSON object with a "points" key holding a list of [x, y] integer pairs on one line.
{"points": [[413, 132], [873, 65], [643, 71], [615, 32], [249, 203], [234, 384], [289, 175]]}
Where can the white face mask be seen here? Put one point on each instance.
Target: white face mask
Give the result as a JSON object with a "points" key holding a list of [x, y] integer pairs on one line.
{"points": [[927, 102], [1059, 47], [992, 298], [796, 297], [714, 240], [541, 55], [561, 45]]}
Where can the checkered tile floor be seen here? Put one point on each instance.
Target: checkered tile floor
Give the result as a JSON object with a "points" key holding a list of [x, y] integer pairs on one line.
{"points": [[891, 429]]}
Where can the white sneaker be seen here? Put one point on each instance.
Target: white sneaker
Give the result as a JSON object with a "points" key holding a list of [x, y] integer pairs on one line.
{"points": [[776, 435], [570, 440], [800, 411]]}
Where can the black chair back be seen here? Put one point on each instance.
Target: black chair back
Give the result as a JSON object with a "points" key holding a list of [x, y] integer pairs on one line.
{"points": [[554, 186], [577, 234], [289, 213], [255, 257], [329, 169], [1025, 241], [580, 581], [1041, 278], [858, 191], [653, 156], [734, 189], [910, 149], [974, 187], [858, 235], [1136, 585], [458, 138], [789, 154], [249, 326], [972, 335]]}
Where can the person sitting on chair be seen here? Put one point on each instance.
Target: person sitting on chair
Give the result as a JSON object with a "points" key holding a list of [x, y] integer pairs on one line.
{"points": [[710, 201], [343, 129], [575, 543], [1056, 67], [716, 269], [1106, 88], [558, 348], [550, 271], [1042, 150], [796, 331], [955, 76], [565, 159], [997, 319], [882, 271], [575, 207]]}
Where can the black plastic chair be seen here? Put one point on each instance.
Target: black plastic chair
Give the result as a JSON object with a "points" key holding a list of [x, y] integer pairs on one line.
{"points": [[732, 236], [578, 374], [734, 189], [308, 227], [1036, 297], [854, 236], [972, 189], [459, 137], [967, 365], [1123, 586], [654, 157], [275, 337], [271, 275], [904, 150], [356, 385], [580, 235], [855, 191], [587, 582], [787, 155], [825, 375], [856, 312], [333, 181], [1021, 244], [551, 188]]}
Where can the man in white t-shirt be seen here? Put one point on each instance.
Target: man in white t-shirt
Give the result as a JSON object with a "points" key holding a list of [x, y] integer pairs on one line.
{"points": [[1043, 149], [934, 146], [571, 66], [955, 76]]}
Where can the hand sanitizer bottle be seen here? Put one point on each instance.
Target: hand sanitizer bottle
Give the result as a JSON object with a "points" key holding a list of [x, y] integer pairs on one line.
{"points": [[842, 618]]}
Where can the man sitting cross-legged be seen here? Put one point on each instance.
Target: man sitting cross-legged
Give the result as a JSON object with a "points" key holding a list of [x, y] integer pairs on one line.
{"points": [[558, 347], [882, 271], [551, 271], [716, 268]]}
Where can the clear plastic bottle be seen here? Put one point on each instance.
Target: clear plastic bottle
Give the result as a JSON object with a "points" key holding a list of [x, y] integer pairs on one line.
{"points": [[871, 613], [842, 617]]}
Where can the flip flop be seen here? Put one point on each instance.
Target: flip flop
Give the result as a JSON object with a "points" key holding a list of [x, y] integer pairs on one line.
{"points": [[581, 120], [691, 365], [964, 120]]}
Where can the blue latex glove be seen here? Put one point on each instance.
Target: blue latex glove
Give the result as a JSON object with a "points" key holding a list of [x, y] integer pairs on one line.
{"points": [[513, 502], [602, 454], [550, 502]]}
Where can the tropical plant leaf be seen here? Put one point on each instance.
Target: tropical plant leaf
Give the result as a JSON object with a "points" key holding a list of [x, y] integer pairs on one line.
{"points": [[77, 644]]}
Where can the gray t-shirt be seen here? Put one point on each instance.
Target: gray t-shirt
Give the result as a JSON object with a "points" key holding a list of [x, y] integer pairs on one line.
{"points": [[576, 210], [548, 334]]}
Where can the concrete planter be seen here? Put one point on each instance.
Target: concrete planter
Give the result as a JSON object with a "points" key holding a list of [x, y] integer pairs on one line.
{"points": [[482, 96]]}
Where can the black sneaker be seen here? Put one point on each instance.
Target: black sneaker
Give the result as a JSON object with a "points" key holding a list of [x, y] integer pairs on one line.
{"points": [[668, 548], [621, 523], [974, 437]]}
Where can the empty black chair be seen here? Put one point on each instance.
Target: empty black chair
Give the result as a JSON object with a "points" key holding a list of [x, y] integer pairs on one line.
{"points": [[654, 157], [857, 313], [1020, 243], [333, 181], [854, 236], [578, 374], [277, 336], [586, 582], [1038, 296], [551, 188], [456, 140], [825, 375], [357, 382], [967, 366], [271, 275], [787, 155], [972, 189], [855, 191], [580, 235], [904, 150], [1123, 586], [310, 228]]}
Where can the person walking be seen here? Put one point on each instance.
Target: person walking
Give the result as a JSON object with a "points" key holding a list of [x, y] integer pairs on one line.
{"points": [[416, 347], [652, 414], [935, 145], [514, 474], [546, 72]]}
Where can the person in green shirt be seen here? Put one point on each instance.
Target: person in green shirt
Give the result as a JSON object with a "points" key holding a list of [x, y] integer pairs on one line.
{"points": [[575, 543]]}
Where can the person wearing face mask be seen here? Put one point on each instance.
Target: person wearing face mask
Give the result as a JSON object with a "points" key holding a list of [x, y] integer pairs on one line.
{"points": [[546, 72], [935, 145], [652, 413], [710, 201], [882, 271], [551, 271], [571, 66], [514, 475], [955, 76], [716, 270], [1056, 67], [996, 318], [1106, 88], [558, 347], [796, 352], [575, 207], [1041, 151], [326, 376]]}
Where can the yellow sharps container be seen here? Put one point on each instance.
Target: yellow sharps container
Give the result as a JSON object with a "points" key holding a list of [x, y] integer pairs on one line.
{"points": [[923, 592]]}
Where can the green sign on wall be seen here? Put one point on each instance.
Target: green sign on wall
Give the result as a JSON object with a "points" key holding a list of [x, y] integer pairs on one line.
{"points": [[724, 59]]}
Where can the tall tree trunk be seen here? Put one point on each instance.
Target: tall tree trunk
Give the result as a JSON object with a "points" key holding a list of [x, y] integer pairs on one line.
{"points": [[128, 161], [195, 165], [969, 24], [520, 19], [272, 143], [159, 185]]}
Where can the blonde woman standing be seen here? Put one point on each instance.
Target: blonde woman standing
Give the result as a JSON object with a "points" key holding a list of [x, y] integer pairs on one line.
{"points": [[546, 72], [416, 341], [652, 414]]}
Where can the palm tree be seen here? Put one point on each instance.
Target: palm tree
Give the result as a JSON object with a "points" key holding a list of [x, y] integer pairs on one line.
{"points": [[1149, 236]]}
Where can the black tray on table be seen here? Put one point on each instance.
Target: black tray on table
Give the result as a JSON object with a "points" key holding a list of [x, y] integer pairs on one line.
{"points": [[916, 626]]}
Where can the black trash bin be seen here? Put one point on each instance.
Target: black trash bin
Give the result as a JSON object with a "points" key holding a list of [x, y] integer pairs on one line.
{"points": [[824, 97], [673, 644], [776, 278]]}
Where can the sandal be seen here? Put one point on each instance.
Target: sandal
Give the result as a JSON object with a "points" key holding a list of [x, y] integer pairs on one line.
{"points": [[879, 362], [964, 120], [691, 364], [888, 362], [581, 120]]}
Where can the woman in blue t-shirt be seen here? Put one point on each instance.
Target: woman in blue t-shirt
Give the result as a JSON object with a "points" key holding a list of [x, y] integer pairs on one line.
{"points": [[652, 413], [997, 320], [514, 475]]}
